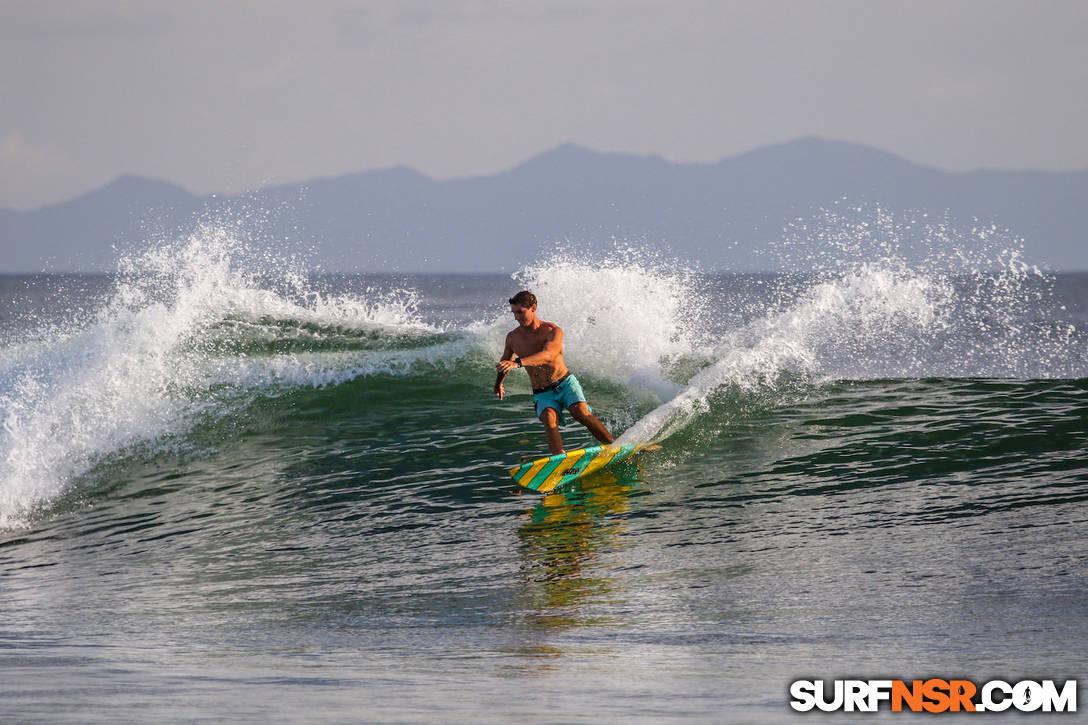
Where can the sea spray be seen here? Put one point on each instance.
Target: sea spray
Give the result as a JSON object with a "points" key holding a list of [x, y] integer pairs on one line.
{"points": [[967, 304], [627, 316], [997, 298], [146, 366], [867, 308]]}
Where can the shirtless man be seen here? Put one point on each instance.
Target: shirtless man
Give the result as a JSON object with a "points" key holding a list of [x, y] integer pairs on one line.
{"points": [[537, 346]]}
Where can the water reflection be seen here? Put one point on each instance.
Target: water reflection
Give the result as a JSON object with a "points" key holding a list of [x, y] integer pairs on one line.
{"points": [[564, 583]]}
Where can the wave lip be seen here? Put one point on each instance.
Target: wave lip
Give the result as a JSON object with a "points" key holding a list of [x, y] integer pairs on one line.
{"points": [[163, 352], [200, 328], [882, 321], [865, 310]]}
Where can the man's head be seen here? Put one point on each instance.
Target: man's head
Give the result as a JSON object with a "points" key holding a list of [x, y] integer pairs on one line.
{"points": [[523, 307]]}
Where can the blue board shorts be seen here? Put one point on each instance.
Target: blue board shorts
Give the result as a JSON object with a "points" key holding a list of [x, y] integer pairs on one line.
{"points": [[562, 394]]}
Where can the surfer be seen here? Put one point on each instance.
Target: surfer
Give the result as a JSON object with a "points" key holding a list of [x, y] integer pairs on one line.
{"points": [[537, 346]]}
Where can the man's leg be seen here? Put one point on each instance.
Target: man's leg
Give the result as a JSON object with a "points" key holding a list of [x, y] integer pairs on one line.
{"points": [[550, 419], [580, 412]]}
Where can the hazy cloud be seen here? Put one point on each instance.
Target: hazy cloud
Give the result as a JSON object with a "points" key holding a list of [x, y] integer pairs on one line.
{"points": [[17, 153], [59, 20], [220, 96], [272, 76]]}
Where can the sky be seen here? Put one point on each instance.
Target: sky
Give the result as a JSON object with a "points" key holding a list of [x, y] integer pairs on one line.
{"points": [[221, 96]]}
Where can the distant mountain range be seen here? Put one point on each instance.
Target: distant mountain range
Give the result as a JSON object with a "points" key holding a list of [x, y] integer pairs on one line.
{"points": [[724, 215]]}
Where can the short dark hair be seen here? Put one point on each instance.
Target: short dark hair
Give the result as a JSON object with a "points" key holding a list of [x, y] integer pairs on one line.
{"points": [[525, 299]]}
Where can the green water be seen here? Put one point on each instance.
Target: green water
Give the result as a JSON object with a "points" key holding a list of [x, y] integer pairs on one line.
{"points": [[319, 524]]}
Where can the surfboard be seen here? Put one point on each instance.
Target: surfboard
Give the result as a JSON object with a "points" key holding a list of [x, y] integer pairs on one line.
{"points": [[548, 474]]}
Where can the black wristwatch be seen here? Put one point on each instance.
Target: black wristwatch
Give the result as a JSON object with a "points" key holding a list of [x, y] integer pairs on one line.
{"points": [[518, 361]]}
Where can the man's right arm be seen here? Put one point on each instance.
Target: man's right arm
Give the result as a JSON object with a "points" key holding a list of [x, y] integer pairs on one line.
{"points": [[507, 354]]}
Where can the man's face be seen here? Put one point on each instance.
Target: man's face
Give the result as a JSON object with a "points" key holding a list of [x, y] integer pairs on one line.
{"points": [[524, 315]]}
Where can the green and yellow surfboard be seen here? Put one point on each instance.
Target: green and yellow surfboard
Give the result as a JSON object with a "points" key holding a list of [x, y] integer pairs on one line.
{"points": [[548, 474]]}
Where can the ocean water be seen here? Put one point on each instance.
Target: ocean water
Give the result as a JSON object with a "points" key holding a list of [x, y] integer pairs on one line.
{"points": [[230, 489]]}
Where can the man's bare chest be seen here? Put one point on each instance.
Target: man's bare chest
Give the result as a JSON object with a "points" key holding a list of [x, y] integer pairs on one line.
{"points": [[525, 345]]}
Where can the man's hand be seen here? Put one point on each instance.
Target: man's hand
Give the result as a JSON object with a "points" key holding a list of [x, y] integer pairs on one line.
{"points": [[504, 366]]}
